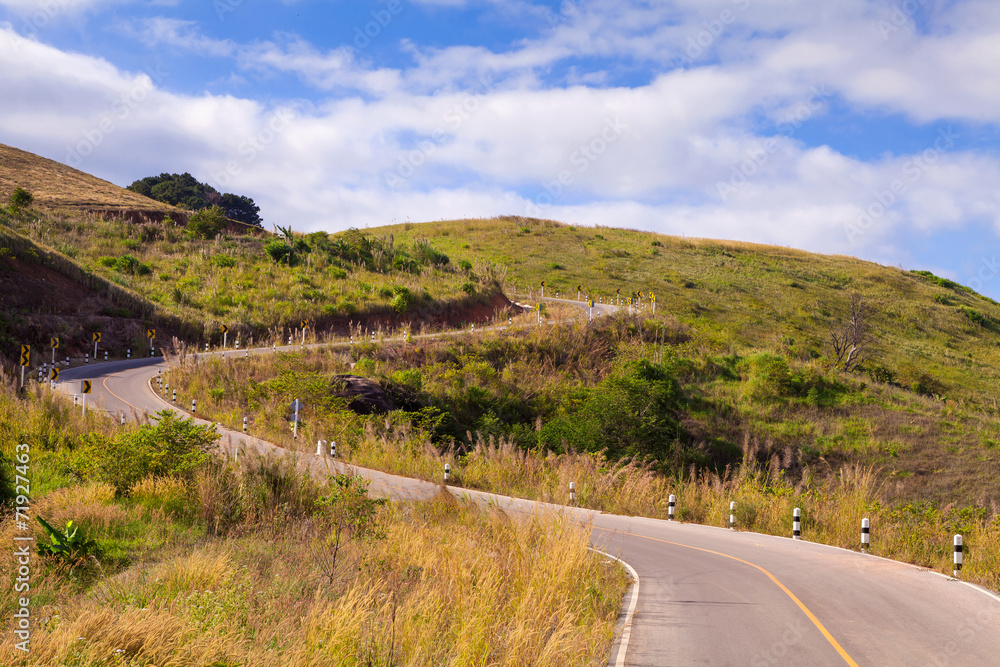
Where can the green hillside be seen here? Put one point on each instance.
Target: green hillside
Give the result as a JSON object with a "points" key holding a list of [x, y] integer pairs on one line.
{"points": [[929, 332]]}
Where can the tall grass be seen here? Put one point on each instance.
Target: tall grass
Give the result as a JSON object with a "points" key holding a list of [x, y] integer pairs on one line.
{"points": [[767, 482], [248, 564], [440, 582]]}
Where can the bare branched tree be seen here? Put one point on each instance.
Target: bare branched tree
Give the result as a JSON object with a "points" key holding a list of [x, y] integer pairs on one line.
{"points": [[852, 339]]}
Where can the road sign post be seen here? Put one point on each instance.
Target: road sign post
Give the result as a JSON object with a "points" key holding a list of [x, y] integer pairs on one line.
{"points": [[151, 335], [303, 323], [53, 377], [85, 387], [55, 344], [24, 361], [225, 335], [296, 407], [97, 339]]}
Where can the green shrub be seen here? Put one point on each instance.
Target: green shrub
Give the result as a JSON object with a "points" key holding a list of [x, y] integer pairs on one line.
{"points": [[207, 223], [920, 381], [131, 265], [278, 251], [20, 199], [468, 287], [879, 373], [403, 299], [337, 272], [425, 254], [766, 376], [975, 316], [632, 413], [171, 447], [224, 261], [107, 262], [465, 265]]}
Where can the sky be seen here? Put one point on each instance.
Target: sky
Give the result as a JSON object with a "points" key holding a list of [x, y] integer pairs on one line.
{"points": [[866, 128]]}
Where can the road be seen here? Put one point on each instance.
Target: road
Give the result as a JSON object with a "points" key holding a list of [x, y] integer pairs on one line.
{"points": [[705, 595]]}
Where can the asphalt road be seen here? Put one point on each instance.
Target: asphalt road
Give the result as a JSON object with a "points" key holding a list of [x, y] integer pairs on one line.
{"points": [[708, 596]]}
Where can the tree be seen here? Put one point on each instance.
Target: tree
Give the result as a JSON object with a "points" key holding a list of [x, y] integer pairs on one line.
{"points": [[207, 223], [20, 199], [852, 339], [182, 190], [242, 209]]}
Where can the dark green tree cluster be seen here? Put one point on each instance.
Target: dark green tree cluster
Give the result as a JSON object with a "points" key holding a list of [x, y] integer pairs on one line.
{"points": [[185, 191]]}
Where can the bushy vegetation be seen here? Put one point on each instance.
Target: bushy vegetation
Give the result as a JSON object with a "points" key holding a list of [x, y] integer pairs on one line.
{"points": [[185, 191], [20, 199], [207, 223], [254, 284], [179, 558], [769, 432], [626, 388]]}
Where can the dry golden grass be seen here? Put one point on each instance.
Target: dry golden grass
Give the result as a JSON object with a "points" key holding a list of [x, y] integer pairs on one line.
{"points": [[450, 584], [58, 187]]}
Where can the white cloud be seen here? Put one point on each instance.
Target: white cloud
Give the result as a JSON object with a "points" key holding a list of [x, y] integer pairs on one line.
{"points": [[466, 131]]}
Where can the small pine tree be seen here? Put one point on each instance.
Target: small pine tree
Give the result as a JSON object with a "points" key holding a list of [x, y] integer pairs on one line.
{"points": [[20, 200]]}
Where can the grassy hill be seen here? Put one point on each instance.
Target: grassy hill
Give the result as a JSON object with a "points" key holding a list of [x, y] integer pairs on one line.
{"points": [[749, 325], [739, 296], [125, 262], [61, 189]]}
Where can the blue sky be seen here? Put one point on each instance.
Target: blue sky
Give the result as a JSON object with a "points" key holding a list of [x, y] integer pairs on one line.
{"points": [[854, 127]]}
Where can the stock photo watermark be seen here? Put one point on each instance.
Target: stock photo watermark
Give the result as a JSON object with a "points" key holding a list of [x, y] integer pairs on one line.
{"points": [[777, 653], [913, 170], [21, 622], [567, 10], [254, 145], [121, 109], [46, 12], [757, 156], [456, 116], [901, 16], [700, 42], [581, 159]]}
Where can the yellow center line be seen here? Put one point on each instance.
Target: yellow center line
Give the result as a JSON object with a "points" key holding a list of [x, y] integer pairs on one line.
{"points": [[812, 617], [105, 383]]}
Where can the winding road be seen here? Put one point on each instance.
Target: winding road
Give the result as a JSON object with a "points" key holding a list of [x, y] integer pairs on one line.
{"points": [[704, 595]]}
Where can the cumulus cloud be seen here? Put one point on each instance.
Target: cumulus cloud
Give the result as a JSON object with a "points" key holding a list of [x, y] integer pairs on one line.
{"points": [[547, 127]]}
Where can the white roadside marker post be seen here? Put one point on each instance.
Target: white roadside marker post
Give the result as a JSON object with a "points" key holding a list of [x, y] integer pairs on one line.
{"points": [[572, 493], [320, 449], [244, 426], [194, 406], [447, 471], [333, 449], [86, 358], [958, 555], [105, 355], [671, 504], [865, 535], [797, 524], [732, 515], [175, 397], [128, 353]]}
